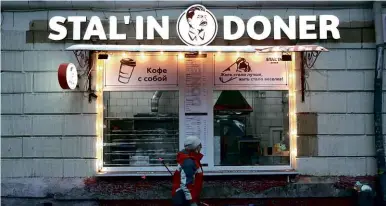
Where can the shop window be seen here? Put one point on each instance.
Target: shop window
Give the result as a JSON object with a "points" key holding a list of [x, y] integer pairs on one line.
{"points": [[251, 128], [141, 127]]}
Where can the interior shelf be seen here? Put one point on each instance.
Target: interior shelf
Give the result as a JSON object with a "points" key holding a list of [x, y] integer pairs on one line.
{"points": [[141, 140]]}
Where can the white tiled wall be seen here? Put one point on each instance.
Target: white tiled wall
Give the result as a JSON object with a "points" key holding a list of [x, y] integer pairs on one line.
{"points": [[340, 91], [127, 104], [45, 131]]}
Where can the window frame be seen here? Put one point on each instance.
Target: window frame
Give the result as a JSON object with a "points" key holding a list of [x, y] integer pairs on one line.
{"points": [[232, 170], [105, 123]]}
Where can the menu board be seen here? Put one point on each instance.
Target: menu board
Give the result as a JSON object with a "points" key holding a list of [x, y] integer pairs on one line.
{"points": [[196, 90], [197, 126], [196, 99]]}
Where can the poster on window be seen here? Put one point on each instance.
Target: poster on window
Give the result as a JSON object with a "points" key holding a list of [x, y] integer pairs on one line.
{"points": [[197, 126], [138, 71], [250, 70], [196, 83]]}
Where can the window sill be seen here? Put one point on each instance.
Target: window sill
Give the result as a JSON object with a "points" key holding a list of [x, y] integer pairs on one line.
{"points": [[206, 173]]}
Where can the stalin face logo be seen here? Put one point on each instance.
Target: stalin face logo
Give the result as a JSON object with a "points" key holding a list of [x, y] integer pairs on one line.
{"points": [[197, 26]]}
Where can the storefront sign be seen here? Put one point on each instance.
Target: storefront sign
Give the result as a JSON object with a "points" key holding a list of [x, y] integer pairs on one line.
{"points": [[67, 76], [148, 71], [197, 26], [250, 70]]}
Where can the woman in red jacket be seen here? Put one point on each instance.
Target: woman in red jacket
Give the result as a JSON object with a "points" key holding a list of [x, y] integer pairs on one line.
{"points": [[188, 178]]}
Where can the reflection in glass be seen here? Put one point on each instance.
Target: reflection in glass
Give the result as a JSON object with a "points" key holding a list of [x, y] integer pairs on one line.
{"points": [[251, 128], [141, 128]]}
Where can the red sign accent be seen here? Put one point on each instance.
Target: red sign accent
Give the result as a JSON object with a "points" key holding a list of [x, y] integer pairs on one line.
{"points": [[62, 75]]}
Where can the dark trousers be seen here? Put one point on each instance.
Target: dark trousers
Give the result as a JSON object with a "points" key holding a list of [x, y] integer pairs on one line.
{"points": [[179, 199]]}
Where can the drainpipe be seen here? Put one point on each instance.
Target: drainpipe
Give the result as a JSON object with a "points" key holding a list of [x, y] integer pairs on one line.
{"points": [[379, 141], [155, 101]]}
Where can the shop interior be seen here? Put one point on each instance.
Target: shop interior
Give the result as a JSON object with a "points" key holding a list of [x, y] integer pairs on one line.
{"points": [[132, 133], [250, 128]]}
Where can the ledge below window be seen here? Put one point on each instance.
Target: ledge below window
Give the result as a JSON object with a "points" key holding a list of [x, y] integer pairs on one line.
{"points": [[206, 173]]}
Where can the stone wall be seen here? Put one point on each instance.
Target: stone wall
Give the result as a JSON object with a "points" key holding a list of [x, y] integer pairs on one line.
{"points": [[48, 132]]}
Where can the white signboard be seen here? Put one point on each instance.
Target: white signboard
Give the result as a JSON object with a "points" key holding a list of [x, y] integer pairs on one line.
{"points": [[197, 70], [250, 71], [141, 71], [196, 26]]}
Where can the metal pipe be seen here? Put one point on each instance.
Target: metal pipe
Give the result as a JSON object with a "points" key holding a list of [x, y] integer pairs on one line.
{"points": [[155, 101], [302, 75], [379, 141]]}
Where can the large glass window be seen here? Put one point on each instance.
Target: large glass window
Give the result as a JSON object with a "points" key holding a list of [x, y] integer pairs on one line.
{"points": [[141, 127], [251, 128], [248, 127]]}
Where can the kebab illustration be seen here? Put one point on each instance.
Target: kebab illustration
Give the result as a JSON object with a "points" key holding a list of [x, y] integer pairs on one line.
{"points": [[241, 66], [126, 70]]}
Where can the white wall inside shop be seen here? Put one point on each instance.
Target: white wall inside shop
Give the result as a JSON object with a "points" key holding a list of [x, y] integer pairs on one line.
{"points": [[127, 104], [50, 133]]}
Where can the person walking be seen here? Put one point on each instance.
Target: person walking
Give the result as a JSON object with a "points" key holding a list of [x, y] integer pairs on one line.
{"points": [[188, 177]]}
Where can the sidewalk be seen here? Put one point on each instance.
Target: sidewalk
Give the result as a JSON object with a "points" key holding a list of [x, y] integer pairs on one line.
{"points": [[95, 189]]}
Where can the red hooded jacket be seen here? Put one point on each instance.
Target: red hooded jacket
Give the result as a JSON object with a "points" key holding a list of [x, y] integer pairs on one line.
{"points": [[189, 175]]}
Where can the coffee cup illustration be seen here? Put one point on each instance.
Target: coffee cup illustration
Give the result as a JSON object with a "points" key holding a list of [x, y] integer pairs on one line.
{"points": [[126, 70]]}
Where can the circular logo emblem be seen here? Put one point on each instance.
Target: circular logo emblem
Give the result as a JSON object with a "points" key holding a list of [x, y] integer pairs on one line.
{"points": [[197, 26], [67, 76], [72, 76]]}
